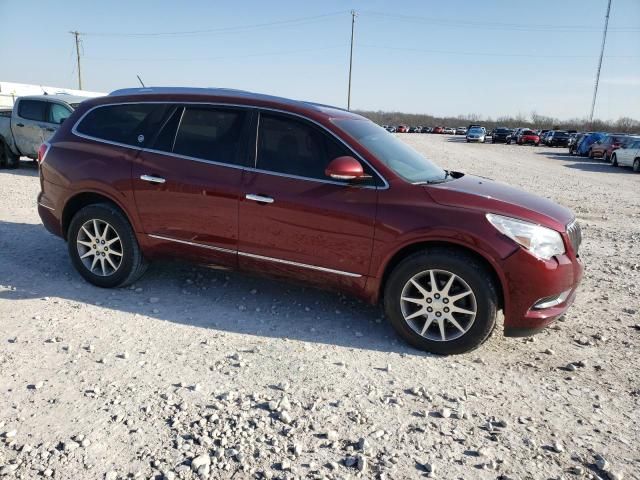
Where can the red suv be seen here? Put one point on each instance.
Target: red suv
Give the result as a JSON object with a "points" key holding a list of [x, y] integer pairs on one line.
{"points": [[309, 192]]}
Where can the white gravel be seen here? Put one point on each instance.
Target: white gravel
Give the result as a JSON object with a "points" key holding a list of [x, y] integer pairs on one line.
{"points": [[172, 379]]}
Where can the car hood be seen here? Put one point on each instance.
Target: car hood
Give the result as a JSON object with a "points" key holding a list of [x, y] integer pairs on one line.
{"points": [[489, 196]]}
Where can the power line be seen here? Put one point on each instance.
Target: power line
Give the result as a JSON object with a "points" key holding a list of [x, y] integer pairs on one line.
{"points": [[238, 28], [444, 22], [488, 54], [221, 57], [604, 39]]}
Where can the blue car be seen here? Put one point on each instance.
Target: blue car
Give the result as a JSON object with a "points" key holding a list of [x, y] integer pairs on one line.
{"points": [[583, 147]]}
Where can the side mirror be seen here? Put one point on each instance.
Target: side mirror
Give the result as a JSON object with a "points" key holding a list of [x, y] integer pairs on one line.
{"points": [[345, 168]]}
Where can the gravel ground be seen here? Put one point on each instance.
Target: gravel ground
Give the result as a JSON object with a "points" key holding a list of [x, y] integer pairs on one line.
{"points": [[201, 373]]}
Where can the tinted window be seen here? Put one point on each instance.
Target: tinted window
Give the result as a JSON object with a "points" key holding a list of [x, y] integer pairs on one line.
{"points": [[33, 110], [167, 135], [294, 147], [122, 123], [58, 113], [210, 133]]}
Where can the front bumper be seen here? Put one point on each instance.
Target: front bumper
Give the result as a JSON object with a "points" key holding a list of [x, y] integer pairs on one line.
{"points": [[528, 280], [475, 139]]}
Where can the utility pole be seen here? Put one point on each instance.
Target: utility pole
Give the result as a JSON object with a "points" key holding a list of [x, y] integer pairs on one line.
{"points": [[353, 23], [604, 38], [76, 34]]}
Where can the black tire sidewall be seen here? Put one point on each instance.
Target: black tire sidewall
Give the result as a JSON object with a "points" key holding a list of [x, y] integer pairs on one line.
{"points": [[467, 268], [122, 227]]}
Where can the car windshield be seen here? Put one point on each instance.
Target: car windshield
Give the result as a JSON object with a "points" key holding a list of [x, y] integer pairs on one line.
{"points": [[392, 152], [560, 134], [502, 130], [528, 132], [476, 130]]}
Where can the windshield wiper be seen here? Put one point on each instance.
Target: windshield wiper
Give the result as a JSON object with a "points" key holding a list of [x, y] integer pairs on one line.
{"points": [[447, 174]]}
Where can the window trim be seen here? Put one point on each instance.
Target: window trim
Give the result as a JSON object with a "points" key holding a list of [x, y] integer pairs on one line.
{"points": [[250, 108]]}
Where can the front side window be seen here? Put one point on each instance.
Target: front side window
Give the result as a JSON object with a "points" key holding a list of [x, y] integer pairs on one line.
{"points": [[129, 124], [33, 110], [58, 113], [210, 133], [294, 147], [392, 152]]}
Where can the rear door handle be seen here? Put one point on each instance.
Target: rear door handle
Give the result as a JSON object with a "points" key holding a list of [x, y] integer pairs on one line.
{"points": [[20, 124], [49, 129], [152, 179], [258, 198]]}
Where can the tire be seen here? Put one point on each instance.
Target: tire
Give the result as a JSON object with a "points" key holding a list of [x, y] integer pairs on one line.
{"points": [[132, 263], [590, 155], [606, 157], [8, 159], [614, 160], [475, 278], [636, 165]]}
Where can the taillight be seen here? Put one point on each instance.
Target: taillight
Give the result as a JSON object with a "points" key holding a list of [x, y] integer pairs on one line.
{"points": [[42, 151]]}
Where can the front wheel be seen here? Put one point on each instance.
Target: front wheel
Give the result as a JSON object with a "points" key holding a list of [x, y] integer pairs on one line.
{"points": [[103, 247], [636, 165], [442, 301], [614, 160]]}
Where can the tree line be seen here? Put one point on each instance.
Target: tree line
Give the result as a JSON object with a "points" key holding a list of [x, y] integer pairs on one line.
{"points": [[535, 120]]}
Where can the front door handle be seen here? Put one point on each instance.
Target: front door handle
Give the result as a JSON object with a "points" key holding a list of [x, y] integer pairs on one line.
{"points": [[258, 198], [49, 129], [152, 179], [20, 124]]}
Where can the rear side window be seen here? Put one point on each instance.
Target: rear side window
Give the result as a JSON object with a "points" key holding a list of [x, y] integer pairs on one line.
{"points": [[210, 133], [129, 124], [33, 110], [293, 147]]}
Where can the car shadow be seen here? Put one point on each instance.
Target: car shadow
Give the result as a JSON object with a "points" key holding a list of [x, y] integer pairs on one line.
{"points": [[183, 293], [586, 164], [27, 168]]}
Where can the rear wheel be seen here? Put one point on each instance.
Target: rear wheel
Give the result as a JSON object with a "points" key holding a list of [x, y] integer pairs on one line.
{"points": [[636, 165], [103, 247], [442, 301], [8, 159], [614, 160]]}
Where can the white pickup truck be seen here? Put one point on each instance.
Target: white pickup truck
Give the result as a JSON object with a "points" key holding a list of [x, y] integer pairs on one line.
{"points": [[32, 121]]}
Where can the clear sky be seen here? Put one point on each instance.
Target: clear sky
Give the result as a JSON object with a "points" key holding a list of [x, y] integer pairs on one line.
{"points": [[496, 57]]}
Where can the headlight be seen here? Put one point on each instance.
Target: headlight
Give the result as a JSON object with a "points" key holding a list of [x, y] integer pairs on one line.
{"points": [[540, 241]]}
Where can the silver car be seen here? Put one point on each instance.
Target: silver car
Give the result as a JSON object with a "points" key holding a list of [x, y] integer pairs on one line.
{"points": [[477, 134]]}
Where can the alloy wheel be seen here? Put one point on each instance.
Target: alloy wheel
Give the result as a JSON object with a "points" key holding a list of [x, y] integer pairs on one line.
{"points": [[438, 305], [99, 247]]}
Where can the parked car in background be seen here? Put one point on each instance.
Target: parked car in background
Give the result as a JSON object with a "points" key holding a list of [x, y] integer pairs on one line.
{"points": [[514, 135], [500, 135], [476, 134], [582, 149], [32, 121], [438, 130], [426, 130], [402, 129], [390, 129], [605, 147], [461, 131], [449, 131], [628, 155], [528, 137], [290, 188], [542, 132], [557, 138]]}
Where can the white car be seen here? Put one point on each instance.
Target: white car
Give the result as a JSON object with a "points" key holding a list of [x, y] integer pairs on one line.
{"points": [[449, 131], [628, 155], [477, 134]]}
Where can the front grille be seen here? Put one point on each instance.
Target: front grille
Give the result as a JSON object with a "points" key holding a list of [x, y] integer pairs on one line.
{"points": [[575, 235]]}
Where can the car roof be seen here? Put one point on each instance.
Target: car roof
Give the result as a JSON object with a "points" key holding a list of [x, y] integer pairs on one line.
{"points": [[229, 95], [58, 96]]}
